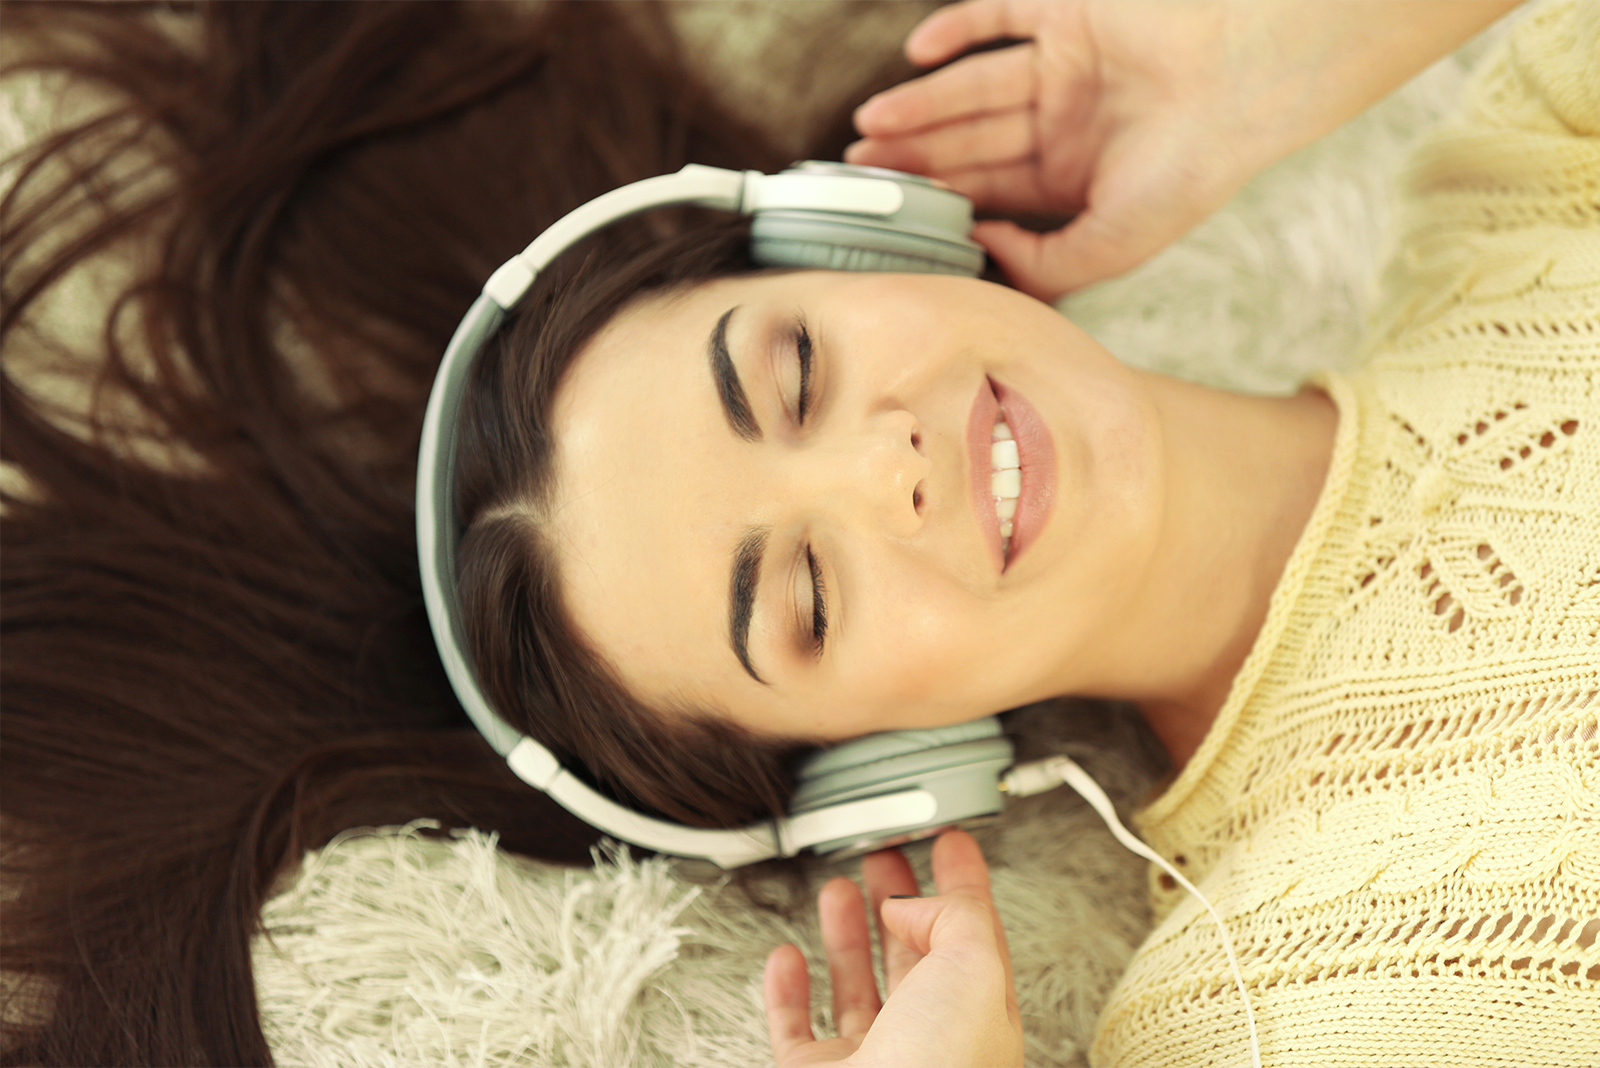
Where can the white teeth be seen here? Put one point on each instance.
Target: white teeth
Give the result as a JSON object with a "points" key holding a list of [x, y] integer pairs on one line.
{"points": [[1004, 454], [1006, 482]]}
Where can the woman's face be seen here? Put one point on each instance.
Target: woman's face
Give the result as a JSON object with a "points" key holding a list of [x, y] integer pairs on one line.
{"points": [[775, 500]]}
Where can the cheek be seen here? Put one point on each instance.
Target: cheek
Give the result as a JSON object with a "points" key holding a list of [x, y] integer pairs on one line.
{"points": [[920, 648]]}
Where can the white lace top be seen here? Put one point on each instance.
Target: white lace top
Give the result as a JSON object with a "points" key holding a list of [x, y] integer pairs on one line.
{"points": [[1397, 811]]}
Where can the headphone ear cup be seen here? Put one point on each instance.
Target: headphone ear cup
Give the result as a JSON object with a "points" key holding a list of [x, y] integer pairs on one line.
{"points": [[960, 765], [790, 239], [777, 252]]}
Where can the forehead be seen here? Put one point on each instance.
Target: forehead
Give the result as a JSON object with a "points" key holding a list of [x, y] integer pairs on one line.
{"points": [[643, 514]]}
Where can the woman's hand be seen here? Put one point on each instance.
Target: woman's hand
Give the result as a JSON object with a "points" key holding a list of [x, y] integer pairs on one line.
{"points": [[951, 998], [1139, 116]]}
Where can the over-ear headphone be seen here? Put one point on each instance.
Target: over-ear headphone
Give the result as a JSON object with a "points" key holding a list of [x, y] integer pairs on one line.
{"points": [[864, 794]]}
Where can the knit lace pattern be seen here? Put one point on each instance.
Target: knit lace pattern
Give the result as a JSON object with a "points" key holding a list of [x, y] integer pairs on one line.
{"points": [[1397, 812]]}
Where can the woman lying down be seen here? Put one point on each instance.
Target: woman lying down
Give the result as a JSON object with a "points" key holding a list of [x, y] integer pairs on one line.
{"points": [[715, 515]]}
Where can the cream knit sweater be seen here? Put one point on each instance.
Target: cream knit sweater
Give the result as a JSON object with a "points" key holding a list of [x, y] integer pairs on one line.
{"points": [[1397, 812]]}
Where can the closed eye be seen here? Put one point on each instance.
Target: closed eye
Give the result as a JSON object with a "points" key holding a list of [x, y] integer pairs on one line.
{"points": [[802, 346], [819, 604]]}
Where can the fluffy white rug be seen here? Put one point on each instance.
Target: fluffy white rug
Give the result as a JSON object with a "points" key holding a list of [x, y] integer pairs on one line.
{"points": [[394, 948]]}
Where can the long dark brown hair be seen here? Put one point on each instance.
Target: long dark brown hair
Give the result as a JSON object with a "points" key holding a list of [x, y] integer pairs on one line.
{"points": [[214, 649], [690, 765]]}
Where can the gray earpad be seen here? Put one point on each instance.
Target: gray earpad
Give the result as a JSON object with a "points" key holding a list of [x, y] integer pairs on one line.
{"points": [[960, 765], [838, 243]]}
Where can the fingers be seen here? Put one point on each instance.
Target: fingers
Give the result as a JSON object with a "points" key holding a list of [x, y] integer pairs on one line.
{"points": [[959, 867], [985, 141], [951, 30], [964, 909], [786, 988], [948, 928], [888, 874], [955, 1005], [1008, 187], [960, 928], [1049, 265], [848, 944], [962, 879], [989, 81]]}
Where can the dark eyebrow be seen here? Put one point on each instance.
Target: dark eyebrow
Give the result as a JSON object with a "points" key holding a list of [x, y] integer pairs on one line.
{"points": [[742, 594], [735, 405]]}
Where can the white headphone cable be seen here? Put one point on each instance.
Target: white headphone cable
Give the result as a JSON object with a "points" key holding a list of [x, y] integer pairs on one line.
{"points": [[1040, 775]]}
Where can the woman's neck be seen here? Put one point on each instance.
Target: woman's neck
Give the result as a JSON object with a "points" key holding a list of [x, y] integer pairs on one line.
{"points": [[1243, 475]]}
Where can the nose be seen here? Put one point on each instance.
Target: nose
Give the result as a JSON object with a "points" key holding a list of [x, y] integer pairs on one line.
{"points": [[875, 473]]}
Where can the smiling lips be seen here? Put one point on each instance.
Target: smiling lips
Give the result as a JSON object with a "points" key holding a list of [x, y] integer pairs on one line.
{"points": [[1013, 470]]}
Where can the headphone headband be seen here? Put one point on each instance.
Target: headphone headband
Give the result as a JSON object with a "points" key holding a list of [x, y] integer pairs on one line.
{"points": [[812, 215]]}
